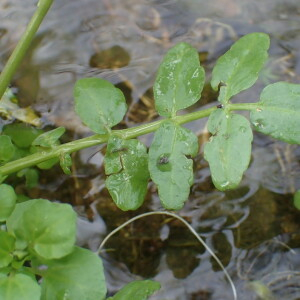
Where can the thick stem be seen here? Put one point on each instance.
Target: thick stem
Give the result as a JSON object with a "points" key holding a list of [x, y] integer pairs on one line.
{"points": [[22, 46], [98, 139]]}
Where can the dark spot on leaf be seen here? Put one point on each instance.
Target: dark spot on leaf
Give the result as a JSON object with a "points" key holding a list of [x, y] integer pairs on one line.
{"points": [[163, 162]]}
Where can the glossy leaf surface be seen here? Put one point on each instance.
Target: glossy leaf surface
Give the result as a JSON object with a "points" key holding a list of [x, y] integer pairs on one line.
{"points": [[229, 149], [169, 166], [278, 113], [19, 286], [50, 138], [137, 290], [99, 104], [126, 164], [179, 80], [7, 149], [47, 228], [7, 242], [78, 276], [8, 199], [239, 67]]}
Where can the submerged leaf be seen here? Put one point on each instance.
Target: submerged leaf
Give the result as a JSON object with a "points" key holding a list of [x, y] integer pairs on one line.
{"points": [[239, 67], [126, 164], [179, 80], [76, 276], [169, 166], [137, 290], [99, 104], [229, 149], [278, 112]]}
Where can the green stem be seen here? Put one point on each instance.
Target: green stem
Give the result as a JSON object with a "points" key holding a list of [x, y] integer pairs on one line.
{"points": [[97, 139], [35, 271], [22, 46], [243, 106]]}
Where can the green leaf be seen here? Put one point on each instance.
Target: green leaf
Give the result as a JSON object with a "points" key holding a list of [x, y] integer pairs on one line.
{"points": [[7, 242], [169, 167], [8, 199], [137, 290], [14, 222], [78, 276], [239, 67], [297, 199], [2, 178], [229, 149], [45, 165], [7, 149], [99, 104], [48, 228], [22, 135], [48, 164], [19, 286], [31, 175], [4, 271], [65, 163], [49, 138], [179, 80], [126, 164], [278, 112]]}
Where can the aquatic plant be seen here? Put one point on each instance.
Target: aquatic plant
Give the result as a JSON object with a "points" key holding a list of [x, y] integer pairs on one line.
{"points": [[37, 236]]}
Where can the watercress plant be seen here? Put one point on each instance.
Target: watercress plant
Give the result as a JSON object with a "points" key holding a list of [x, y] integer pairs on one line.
{"points": [[38, 258]]}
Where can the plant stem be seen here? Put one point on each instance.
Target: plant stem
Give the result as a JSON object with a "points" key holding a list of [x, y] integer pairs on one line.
{"points": [[22, 46], [35, 271], [243, 106], [192, 230], [97, 139]]}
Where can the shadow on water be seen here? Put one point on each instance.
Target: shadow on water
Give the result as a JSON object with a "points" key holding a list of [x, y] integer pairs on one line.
{"points": [[254, 230]]}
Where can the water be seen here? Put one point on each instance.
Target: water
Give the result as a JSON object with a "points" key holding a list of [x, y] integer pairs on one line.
{"points": [[254, 230]]}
